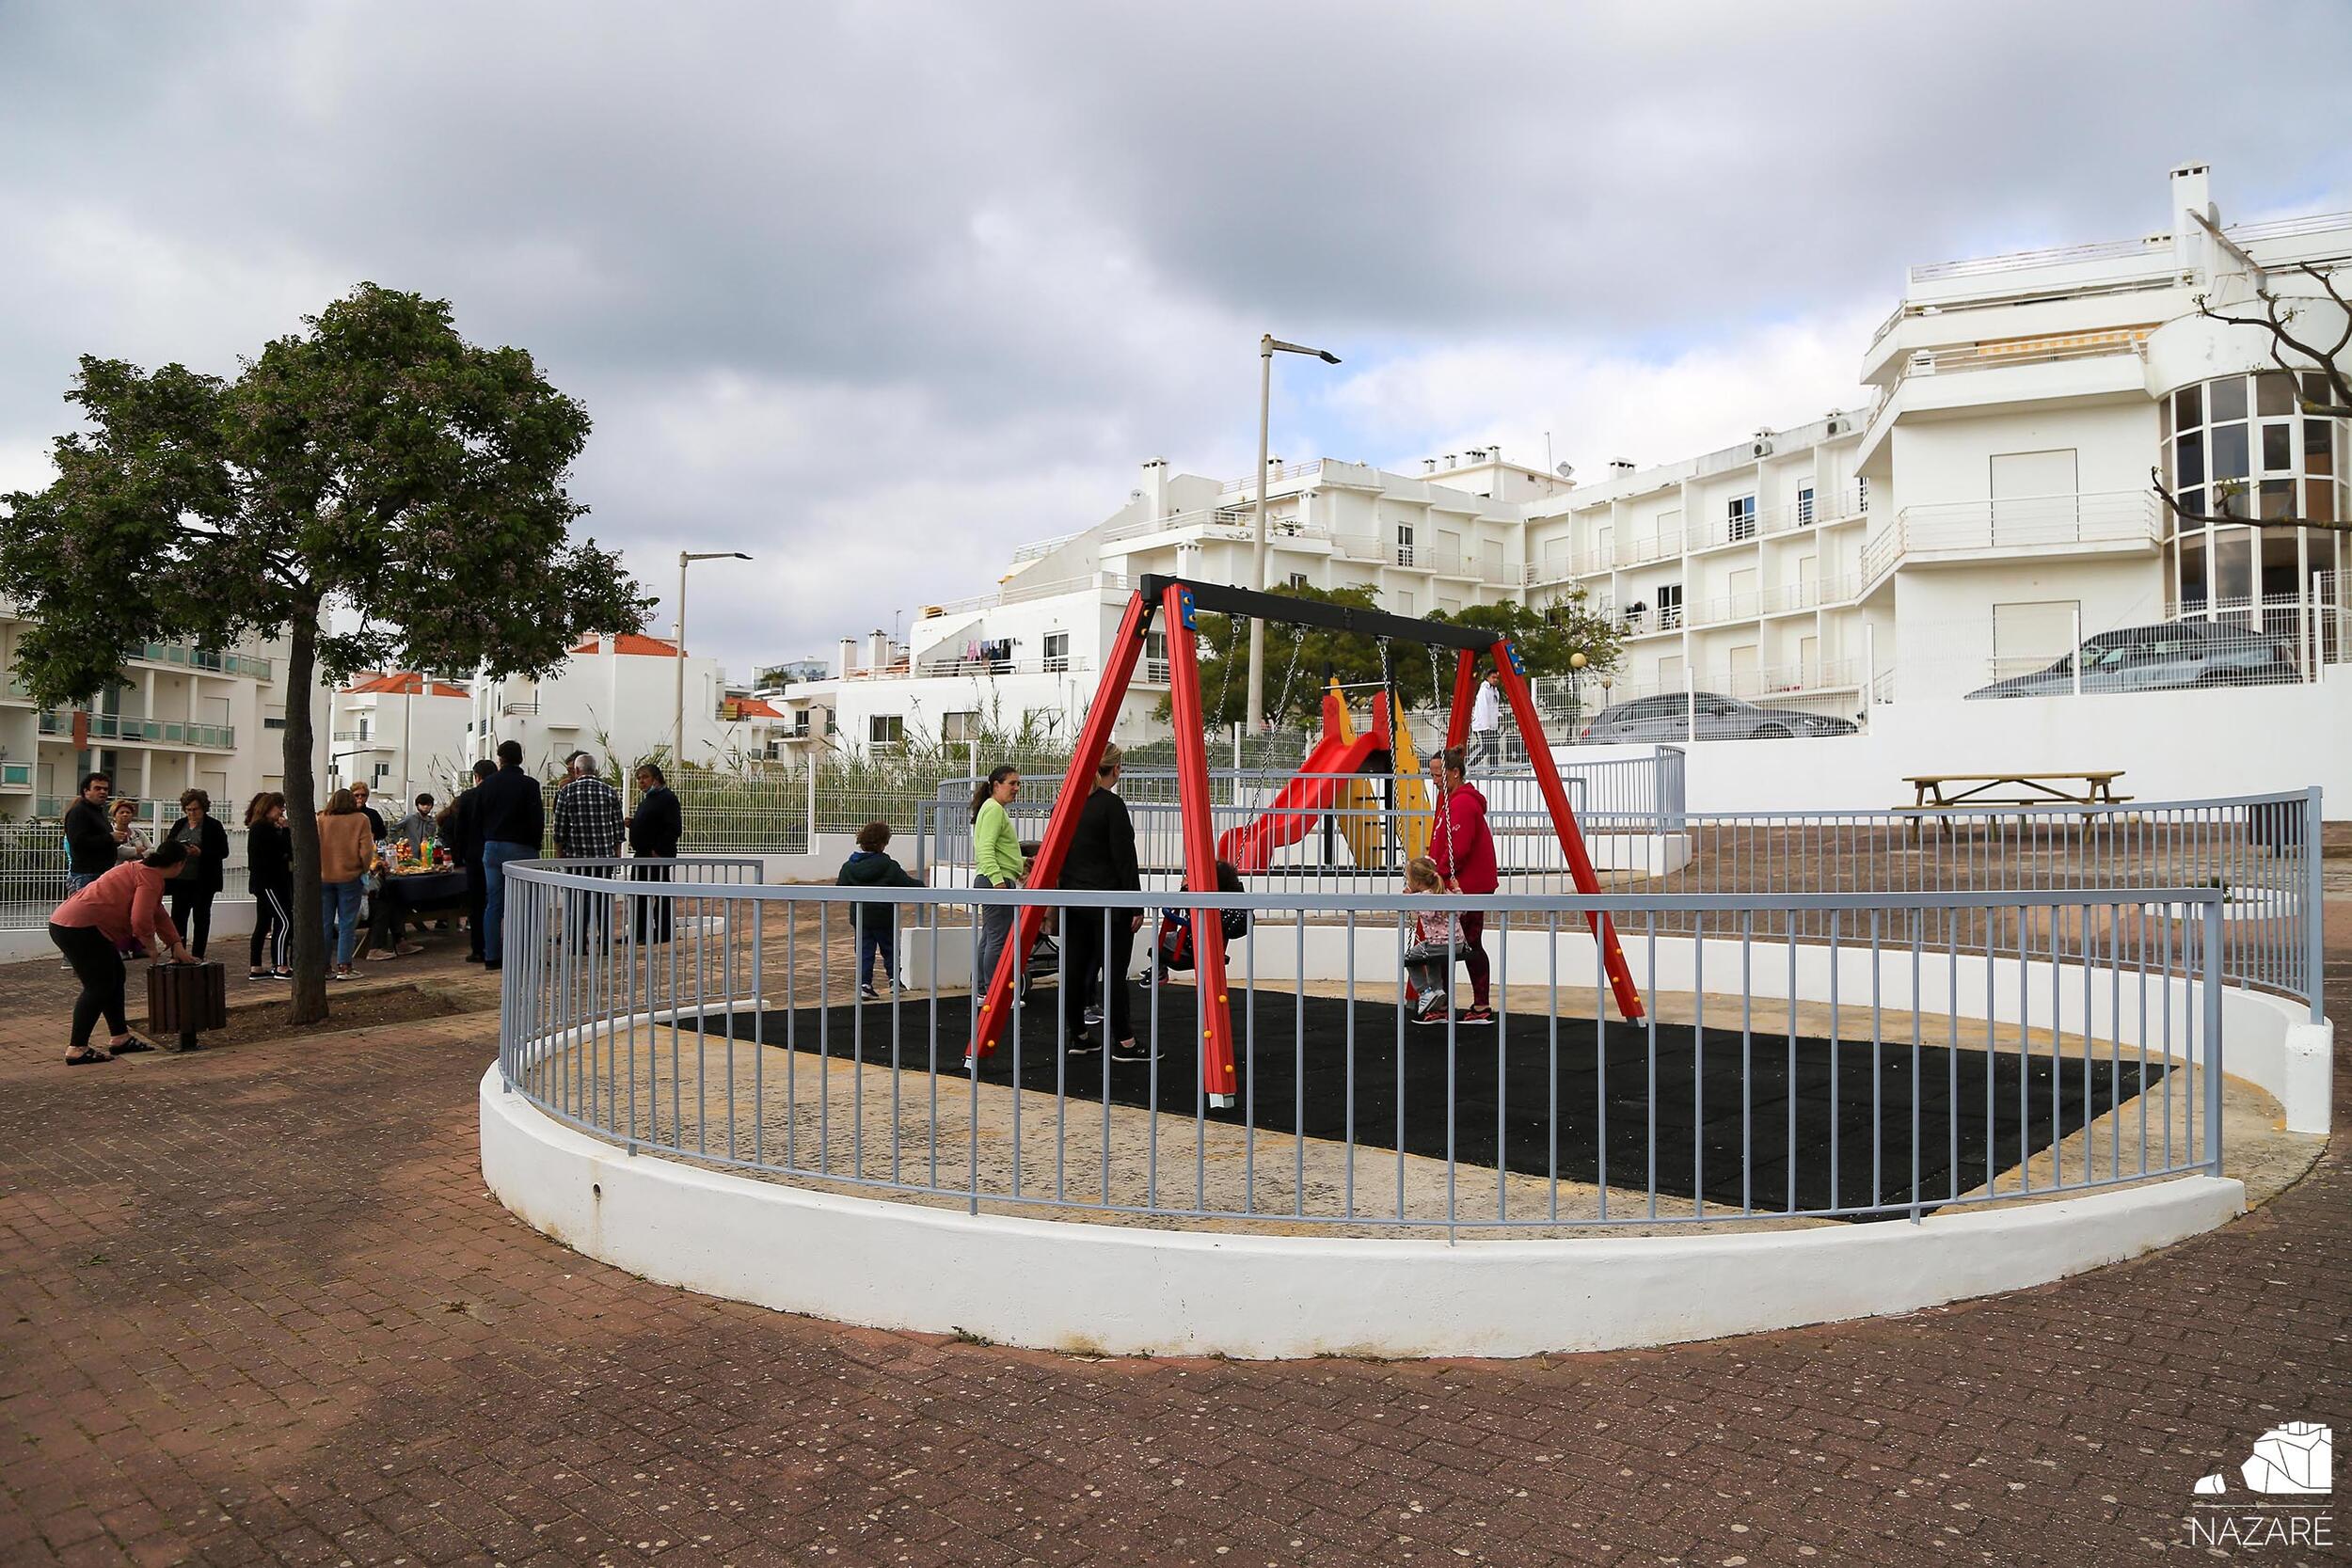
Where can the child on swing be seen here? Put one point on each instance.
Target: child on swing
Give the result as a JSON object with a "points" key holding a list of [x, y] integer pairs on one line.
{"points": [[1173, 952], [1433, 943]]}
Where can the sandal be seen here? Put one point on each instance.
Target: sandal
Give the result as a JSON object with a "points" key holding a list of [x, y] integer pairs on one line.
{"points": [[86, 1055], [132, 1045]]}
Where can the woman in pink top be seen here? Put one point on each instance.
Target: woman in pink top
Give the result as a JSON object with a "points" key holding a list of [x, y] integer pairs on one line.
{"points": [[126, 905], [1464, 854]]}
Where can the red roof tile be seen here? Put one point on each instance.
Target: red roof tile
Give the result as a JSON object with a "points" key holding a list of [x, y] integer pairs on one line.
{"points": [[630, 642], [406, 682]]}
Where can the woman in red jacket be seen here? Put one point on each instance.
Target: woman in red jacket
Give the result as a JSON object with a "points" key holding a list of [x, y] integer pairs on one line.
{"points": [[1465, 853], [124, 906]]}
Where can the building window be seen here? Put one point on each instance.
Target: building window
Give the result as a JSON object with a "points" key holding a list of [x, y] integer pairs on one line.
{"points": [[1804, 507], [276, 723], [1056, 651], [885, 731], [383, 771], [959, 728], [1298, 580], [1404, 546], [1669, 606], [2239, 448], [1861, 493], [363, 726], [1740, 518]]}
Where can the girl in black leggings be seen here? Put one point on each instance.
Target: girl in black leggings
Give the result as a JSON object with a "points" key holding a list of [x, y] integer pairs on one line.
{"points": [[269, 876]]}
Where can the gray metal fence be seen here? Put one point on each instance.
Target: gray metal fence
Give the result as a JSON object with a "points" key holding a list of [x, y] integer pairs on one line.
{"points": [[1893, 1068], [2259, 853]]}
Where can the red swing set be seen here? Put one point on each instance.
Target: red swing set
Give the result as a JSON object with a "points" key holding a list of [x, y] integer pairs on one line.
{"points": [[1180, 599]]}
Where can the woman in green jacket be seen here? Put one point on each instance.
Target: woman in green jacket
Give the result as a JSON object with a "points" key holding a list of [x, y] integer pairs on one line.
{"points": [[996, 862]]}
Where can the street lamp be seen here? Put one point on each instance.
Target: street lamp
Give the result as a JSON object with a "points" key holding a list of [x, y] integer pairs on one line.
{"points": [[677, 731], [1268, 346]]}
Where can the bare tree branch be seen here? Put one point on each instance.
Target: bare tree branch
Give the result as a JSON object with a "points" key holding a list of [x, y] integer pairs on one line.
{"points": [[2172, 504]]}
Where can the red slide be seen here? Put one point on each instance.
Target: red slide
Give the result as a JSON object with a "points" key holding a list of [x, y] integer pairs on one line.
{"points": [[1302, 801]]}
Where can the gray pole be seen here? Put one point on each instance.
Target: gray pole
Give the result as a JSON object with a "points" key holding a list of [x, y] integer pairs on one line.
{"points": [[1257, 554], [678, 727]]}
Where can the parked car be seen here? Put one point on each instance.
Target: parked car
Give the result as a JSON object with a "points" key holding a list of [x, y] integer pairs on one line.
{"points": [[2160, 659], [1706, 716]]}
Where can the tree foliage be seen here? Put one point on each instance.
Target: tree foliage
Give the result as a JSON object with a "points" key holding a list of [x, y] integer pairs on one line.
{"points": [[376, 469]]}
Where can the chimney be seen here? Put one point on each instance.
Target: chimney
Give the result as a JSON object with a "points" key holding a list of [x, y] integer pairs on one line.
{"points": [[1618, 465], [2192, 193], [1450, 457], [1429, 464], [1156, 487], [848, 658], [878, 649]]}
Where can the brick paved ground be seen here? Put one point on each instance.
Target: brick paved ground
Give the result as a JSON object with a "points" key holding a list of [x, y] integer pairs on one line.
{"points": [[255, 1306]]}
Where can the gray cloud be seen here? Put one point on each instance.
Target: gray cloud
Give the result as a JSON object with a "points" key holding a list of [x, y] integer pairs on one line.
{"points": [[876, 290]]}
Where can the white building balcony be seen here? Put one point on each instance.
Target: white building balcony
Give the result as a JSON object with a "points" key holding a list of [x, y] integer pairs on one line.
{"points": [[2106, 522], [117, 729]]}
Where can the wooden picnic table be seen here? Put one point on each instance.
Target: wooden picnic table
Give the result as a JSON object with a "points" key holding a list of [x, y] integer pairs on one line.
{"points": [[1941, 794]]}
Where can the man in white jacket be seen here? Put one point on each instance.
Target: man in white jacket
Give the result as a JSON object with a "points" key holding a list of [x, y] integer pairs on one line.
{"points": [[1487, 724]]}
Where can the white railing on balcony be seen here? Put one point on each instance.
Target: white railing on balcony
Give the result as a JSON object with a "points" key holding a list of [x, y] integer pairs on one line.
{"points": [[1780, 599], [1639, 549], [1021, 591], [2017, 260], [975, 668], [1038, 549], [1248, 483], [2126, 519]]}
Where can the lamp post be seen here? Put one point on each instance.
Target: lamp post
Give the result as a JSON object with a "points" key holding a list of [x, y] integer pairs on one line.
{"points": [[677, 730], [1269, 346]]}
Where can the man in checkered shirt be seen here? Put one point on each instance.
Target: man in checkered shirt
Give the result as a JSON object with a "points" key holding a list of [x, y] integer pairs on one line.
{"points": [[588, 825]]}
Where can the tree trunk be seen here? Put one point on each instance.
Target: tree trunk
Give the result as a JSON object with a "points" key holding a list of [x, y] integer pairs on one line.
{"points": [[309, 943]]}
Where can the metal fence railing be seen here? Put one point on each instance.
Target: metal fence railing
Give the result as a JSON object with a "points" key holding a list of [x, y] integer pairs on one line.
{"points": [[33, 867], [2259, 853], [1934, 1051]]}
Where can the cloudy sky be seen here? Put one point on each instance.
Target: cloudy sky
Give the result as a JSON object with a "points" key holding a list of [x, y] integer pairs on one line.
{"points": [[877, 291]]}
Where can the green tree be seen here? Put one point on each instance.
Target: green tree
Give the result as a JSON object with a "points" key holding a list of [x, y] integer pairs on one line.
{"points": [[376, 468], [1547, 636]]}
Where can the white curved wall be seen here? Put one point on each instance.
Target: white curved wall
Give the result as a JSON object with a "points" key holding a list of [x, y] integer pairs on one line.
{"points": [[1112, 1290]]}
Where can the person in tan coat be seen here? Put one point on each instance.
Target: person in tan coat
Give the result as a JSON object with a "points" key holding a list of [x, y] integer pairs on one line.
{"points": [[346, 851]]}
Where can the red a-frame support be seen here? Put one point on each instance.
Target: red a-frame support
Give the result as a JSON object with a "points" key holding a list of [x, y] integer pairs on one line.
{"points": [[1177, 598]]}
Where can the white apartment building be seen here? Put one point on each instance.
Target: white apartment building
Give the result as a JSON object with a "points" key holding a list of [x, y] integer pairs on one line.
{"points": [[619, 696], [178, 718], [400, 733], [1988, 505]]}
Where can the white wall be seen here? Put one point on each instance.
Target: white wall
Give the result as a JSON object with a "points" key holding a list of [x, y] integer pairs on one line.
{"points": [[2172, 745]]}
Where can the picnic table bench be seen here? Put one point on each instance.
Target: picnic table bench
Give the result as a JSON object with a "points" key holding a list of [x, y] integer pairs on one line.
{"points": [[1939, 795]]}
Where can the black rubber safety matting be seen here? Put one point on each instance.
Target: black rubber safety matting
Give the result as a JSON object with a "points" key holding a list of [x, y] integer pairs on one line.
{"points": [[1670, 1095]]}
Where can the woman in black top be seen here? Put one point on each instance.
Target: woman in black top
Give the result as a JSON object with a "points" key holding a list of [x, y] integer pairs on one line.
{"points": [[1102, 858], [269, 875], [193, 890]]}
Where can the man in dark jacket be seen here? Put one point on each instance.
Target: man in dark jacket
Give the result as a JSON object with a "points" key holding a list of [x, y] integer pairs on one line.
{"points": [[877, 923], [466, 829], [90, 834], [654, 830], [1102, 858], [514, 826]]}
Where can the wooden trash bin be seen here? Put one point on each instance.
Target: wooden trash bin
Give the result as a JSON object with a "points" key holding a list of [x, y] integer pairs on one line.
{"points": [[184, 998]]}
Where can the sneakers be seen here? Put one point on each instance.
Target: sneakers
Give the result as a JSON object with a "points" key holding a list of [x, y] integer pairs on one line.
{"points": [[867, 993], [1082, 1044], [1430, 1009], [1477, 1017], [1093, 1014], [1133, 1050]]}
